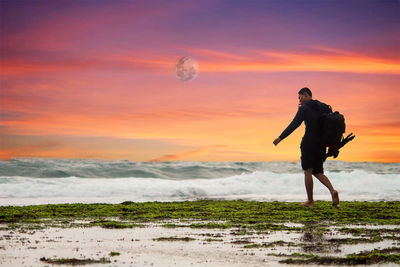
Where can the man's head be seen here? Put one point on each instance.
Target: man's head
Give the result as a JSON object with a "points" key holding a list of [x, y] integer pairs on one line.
{"points": [[305, 94]]}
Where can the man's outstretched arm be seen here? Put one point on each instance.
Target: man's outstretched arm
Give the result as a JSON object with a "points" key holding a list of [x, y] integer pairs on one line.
{"points": [[296, 122]]}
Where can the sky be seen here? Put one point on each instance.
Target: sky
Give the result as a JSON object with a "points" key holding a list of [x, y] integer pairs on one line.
{"points": [[95, 79]]}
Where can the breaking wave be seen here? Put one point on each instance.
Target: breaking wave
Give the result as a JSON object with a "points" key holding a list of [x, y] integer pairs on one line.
{"points": [[40, 181]]}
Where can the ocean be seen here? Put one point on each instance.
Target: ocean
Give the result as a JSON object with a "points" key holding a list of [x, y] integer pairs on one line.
{"points": [[28, 181]]}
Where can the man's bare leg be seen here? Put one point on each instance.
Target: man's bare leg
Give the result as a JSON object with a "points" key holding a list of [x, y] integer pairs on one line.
{"points": [[325, 181], [309, 187]]}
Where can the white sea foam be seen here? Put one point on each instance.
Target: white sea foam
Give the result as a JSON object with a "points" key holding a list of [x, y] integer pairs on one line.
{"points": [[257, 185]]}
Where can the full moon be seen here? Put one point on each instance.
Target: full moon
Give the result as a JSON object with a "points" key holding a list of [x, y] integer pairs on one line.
{"points": [[186, 69]]}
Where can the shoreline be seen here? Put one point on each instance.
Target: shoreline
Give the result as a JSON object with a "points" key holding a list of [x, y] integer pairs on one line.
{"points": [[289, 198], [206, 233]]}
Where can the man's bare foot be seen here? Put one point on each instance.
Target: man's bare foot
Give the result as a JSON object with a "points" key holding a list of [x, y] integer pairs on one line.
{"points": [[335, 198], [308, 203]]}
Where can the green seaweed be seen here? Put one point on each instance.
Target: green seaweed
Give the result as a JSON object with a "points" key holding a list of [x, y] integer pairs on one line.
{"points": [[74, 261], [174, 238], [372, 258], [373, 239], [255, 245], [113, 253], [261, 215], [368, 231], [213, 239], [272, 244], [172, 225], [241, 241], [211, 225], [368, 257], [296, 254], [212, 235], [115, 225]]}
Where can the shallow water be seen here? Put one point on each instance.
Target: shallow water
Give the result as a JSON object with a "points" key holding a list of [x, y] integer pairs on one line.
{"points": [[137, 246]]}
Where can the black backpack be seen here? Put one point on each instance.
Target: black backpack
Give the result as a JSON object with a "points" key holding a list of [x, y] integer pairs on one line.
{"points": [[332, 127]]}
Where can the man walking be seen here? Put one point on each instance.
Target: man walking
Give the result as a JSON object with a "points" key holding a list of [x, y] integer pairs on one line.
{"points": [[313, 153]]}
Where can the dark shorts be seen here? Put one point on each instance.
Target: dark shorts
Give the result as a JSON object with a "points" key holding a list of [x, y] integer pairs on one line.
{"points": [[313, 157]]}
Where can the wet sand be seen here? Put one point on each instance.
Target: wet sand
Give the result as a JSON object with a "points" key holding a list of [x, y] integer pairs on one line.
{"points": [[144, 245]]}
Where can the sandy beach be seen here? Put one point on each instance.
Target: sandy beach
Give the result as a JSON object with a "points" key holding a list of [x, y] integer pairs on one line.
{"points": [[138, 246]]}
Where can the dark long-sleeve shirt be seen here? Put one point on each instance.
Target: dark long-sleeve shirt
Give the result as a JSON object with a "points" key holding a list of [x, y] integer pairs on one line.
{"points": [[309, 113]]}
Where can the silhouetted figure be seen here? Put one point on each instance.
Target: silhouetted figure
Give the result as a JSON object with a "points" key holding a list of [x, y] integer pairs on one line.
{"points": [[313, 153]]}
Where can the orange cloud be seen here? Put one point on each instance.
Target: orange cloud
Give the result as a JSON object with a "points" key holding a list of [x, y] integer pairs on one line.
{"points": [[237, 114], [324, 60], [277, 61], [187, 154], [20, 66], [41, 150]]}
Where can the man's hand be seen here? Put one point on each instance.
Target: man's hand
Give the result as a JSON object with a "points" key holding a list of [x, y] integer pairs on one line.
{"points": [[277, 140]]}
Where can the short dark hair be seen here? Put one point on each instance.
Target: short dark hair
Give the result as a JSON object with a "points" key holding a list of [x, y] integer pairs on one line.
{"points": [[305, 90]]}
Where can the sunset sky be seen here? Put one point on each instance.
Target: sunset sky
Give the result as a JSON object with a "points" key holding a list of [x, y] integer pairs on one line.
{"points": [[95, 79]]}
